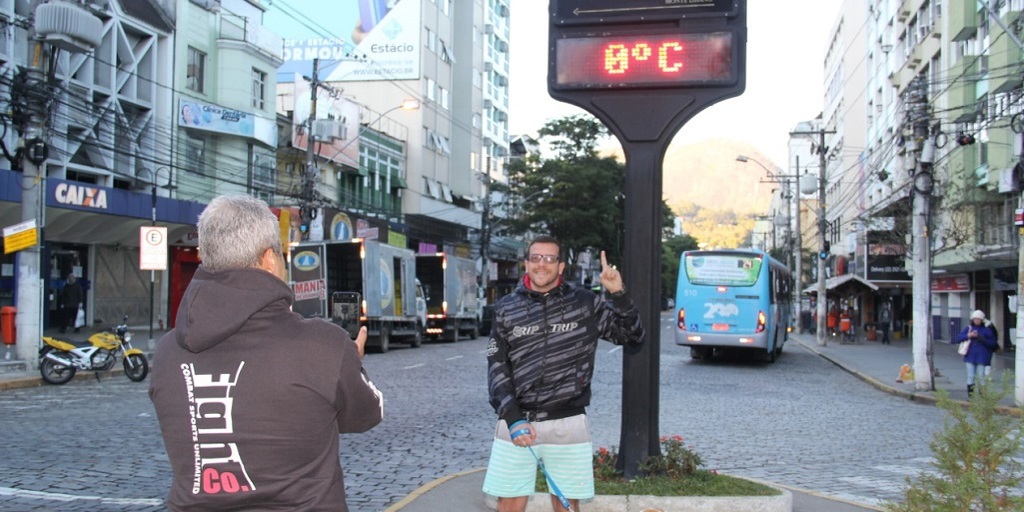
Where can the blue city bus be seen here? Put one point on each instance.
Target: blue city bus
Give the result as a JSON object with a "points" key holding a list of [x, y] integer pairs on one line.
{"points": [[732, 299]]}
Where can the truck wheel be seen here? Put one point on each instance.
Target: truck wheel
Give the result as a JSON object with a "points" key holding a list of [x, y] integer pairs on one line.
{"points": [[383, 340], [475, 333], [417, 339], [454, 336]]}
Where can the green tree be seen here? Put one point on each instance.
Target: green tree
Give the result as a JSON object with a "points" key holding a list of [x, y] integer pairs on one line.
{"points": [[976, 465], [577, 196]]}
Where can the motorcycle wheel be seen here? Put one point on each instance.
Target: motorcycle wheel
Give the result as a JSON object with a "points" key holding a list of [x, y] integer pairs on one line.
{"points": [[56, 373], [136, 368]]}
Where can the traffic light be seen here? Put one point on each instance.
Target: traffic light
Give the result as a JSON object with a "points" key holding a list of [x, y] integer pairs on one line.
{"points": [[824, 253]]}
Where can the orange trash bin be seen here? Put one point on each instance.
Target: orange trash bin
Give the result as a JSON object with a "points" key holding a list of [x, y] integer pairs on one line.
{"points": [[844, 323], [7, 314]]}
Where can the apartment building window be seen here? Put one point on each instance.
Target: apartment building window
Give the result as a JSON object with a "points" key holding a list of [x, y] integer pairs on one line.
{"points": [[996, 228], [264, 174], [195, 70], [445, 98], [259, 88], [431, 40], [431, 89], [195, 150]]}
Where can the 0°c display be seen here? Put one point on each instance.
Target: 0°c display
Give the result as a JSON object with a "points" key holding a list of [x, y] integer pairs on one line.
{"points": [[644, 60]]}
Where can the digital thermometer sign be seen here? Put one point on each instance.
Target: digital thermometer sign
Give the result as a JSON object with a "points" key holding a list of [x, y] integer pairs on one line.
{"points": [[605, 62]]}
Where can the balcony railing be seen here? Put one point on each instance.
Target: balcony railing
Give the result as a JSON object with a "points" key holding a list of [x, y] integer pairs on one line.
{"points": [[238, 28]]}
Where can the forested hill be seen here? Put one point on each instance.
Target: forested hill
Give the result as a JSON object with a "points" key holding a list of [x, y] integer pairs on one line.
{"points": [[707, 174]]}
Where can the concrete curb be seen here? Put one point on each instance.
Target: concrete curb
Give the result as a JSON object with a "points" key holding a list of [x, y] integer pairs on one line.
{"points": [[541, 502], [610, 503], [34, 382]]}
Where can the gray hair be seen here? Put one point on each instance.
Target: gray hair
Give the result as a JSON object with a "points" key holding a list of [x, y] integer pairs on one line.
{"points": [[235, 231]]}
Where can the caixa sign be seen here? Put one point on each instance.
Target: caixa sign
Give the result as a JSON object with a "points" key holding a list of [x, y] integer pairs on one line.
{"points": [[79, 195]]}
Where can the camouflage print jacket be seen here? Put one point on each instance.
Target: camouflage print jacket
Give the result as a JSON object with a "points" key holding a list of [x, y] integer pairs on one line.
{"points": [[542, 347]]}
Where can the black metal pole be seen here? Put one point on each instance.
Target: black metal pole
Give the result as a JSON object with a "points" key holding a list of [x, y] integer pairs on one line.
{"points": [[642, 276], [152, 273]]}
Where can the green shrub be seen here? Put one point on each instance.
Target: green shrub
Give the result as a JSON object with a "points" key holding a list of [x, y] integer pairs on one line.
{"points": [[977, 458]]}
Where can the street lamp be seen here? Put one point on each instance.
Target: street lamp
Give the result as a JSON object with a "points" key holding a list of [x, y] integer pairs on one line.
{"points": [[407, 104], [311, 176], [785, 180]]}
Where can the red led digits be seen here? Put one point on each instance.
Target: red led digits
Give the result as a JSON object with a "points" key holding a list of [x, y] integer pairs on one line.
{"points": [[663, 63], [617, 57], [630, 61]]}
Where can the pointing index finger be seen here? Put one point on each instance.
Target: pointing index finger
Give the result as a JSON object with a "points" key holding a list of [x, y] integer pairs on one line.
{"points": [[604, 261]]}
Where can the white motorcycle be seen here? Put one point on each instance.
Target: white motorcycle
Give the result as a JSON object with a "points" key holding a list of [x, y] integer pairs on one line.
{"points": [[60, 360]]}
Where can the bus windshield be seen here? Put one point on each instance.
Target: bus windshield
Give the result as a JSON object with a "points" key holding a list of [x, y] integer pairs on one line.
{"points": [[723, 269]]}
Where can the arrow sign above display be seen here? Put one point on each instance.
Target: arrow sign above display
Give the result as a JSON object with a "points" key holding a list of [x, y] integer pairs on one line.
{"points": [[596, 11]]}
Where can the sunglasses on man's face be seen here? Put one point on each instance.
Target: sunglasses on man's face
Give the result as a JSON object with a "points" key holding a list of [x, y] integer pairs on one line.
{"points": [[546, 258]]}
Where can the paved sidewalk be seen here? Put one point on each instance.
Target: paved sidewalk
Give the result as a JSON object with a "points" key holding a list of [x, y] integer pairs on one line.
{"points": [[879, 365], [462, 492]]}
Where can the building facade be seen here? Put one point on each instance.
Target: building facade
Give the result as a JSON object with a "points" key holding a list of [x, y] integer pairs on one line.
{"points": [[941, 87]]}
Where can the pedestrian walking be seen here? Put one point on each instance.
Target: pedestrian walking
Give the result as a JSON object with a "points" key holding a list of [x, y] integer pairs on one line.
{"points": [[251, 396], [979, 353], [884, 321], [540, 366], [72, 298]]}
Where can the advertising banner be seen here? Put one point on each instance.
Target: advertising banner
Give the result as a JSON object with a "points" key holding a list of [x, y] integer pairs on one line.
{"points": [[887, 262], [309, 281], [214, 118], [366, 40]]}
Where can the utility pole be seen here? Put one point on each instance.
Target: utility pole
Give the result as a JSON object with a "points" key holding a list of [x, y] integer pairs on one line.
{"points": [[485, 233], [807, 187], [799, 269], [822, 243], [311, 176], [33, 152], [1018, 375], [56, 26], [920, 153]]}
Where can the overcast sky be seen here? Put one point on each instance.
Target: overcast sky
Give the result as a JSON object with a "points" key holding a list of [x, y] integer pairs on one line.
{"points": [[785, 68]]}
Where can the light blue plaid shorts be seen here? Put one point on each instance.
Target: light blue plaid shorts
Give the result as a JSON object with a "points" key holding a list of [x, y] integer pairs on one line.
{"points": [[563, 445]]}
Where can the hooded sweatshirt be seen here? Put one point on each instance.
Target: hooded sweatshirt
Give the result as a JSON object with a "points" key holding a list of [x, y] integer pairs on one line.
{"points": [[251, 398]]}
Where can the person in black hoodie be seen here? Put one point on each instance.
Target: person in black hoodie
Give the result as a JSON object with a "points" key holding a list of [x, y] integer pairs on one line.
{"points": [[250, 396]]}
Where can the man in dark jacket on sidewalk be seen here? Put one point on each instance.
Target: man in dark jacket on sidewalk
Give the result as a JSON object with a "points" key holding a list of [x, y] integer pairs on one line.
{"points": [[540, 365], [250, 396], [72, 297]]}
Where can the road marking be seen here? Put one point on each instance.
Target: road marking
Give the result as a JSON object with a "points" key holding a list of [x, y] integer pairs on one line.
{"points": [[453, 358], [56, 496], [414, 366]]}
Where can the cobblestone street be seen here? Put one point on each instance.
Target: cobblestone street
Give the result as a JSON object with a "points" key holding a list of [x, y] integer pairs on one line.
{"points": [[802, 422]]}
